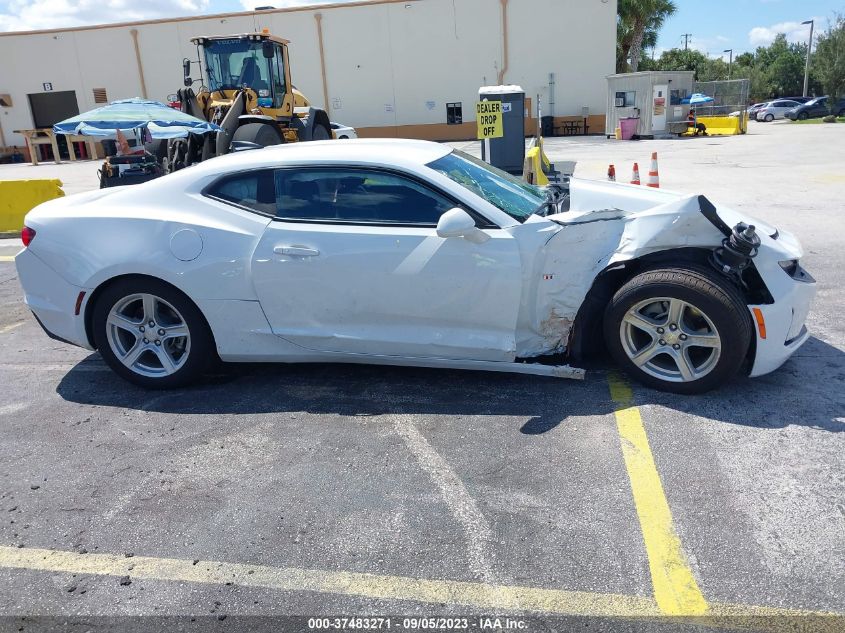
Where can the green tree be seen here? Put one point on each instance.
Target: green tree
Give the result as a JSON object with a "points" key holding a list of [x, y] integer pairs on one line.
{"points": [[829, 60], [638, 21]]}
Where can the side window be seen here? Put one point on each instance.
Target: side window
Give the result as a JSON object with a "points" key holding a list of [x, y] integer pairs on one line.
{"points": [[356, 196], [252, 190], [279, 78]]}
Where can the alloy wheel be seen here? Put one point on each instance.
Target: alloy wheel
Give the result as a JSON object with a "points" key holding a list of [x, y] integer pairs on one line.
{"points": [[670, 339], [148, 335]]}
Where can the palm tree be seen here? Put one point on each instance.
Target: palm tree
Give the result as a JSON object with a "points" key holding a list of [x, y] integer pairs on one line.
{"points": [[637, 18]]}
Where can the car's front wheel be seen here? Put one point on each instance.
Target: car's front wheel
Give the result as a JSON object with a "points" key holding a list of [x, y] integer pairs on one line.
{"points": [[151, 334], [770, 118], [803, 116], [678, 330]]}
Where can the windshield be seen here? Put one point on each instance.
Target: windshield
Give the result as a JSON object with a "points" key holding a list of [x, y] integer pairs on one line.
{"points": [[236, 62], [816, 100], [504, 191]]}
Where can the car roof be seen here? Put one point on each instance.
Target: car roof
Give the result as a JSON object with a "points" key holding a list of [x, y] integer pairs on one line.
{"points": [[405, 153]]}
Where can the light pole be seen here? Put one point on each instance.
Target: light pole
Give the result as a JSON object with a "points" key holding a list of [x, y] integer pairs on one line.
{"points": [[809, 49], [730, 60]]}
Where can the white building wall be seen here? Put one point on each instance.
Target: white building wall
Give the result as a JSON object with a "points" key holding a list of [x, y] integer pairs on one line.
{"points": [[387, 64]]}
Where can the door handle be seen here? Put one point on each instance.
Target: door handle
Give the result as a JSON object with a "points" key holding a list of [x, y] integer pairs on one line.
{"points": [[296, 251]]}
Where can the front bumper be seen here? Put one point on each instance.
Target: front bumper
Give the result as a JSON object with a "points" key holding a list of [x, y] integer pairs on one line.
{"points": [[52, 299], [784, 324]]}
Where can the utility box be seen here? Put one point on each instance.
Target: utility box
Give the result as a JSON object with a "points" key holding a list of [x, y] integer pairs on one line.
{"points": [[656, 98], [505, 150]]}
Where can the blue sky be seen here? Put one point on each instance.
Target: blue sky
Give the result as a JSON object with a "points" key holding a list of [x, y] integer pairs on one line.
{"points": [[715, 24], [743, 25]]}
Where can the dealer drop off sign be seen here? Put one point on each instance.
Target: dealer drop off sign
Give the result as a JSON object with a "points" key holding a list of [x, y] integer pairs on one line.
{"points": [[488, 116]]}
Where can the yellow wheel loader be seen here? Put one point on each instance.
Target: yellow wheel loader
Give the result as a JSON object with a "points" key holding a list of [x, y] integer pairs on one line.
{"points": [[247, 91]]}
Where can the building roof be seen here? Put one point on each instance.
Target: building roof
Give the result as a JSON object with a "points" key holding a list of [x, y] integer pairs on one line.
{"points": [[311, 7]]}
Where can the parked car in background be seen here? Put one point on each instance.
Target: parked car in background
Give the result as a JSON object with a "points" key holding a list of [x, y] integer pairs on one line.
{"points": [[776, 110], [752, 111], [799, 99], [815, 108], [343, 131]]}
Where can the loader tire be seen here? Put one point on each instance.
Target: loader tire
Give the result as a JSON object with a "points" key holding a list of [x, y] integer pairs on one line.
{"points": [[258, 133]]}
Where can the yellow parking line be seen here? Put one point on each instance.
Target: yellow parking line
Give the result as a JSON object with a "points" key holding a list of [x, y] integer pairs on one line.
{"points": [[473, 594], [11, 327], [7, 258], [675, 589], [496, 598]]}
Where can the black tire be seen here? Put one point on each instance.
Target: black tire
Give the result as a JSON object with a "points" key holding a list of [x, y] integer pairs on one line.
{"points": [[262, 134], [703, 290], [769, 118], [320, 133], [803, 116], [201, 355]]}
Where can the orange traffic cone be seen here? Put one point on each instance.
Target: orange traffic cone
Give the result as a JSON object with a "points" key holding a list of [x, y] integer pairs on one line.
{"points": [[635, 177], [611, 173], [653, 176]]}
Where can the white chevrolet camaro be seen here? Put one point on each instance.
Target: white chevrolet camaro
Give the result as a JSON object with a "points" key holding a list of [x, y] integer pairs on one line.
{"points": [[410, 253]]}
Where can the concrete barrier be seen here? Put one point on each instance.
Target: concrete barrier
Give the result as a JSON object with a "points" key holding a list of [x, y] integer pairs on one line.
{"points": [[18, 197], [719, 125]]}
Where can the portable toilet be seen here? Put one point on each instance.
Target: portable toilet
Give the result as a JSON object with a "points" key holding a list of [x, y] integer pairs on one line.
{"points": [[508, 151]]}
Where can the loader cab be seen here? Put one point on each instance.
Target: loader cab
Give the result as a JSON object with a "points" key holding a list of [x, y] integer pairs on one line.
{"points": [[256, 61]]}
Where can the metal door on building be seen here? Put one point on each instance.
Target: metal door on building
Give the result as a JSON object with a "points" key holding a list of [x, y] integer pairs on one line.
{"points": [[658, 116]]}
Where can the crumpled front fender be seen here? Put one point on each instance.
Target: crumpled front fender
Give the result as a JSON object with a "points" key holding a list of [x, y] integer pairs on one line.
{"points": [[591, 241]]}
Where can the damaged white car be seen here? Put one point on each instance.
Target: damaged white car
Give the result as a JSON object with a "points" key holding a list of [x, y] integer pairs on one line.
{"points": [[409, 253]]}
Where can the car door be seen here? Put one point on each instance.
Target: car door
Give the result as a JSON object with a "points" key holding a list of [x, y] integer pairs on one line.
{"points": [[352, 263]]}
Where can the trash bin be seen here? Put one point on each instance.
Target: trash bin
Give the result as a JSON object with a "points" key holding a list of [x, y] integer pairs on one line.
{"points": [[629, 127], [508, 152]]}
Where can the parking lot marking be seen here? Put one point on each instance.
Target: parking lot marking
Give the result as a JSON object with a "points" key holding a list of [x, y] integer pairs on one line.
{"points": [[362, 585], [499, 598], [7, 258], [9, 328], [675, 588], [454, 493]]}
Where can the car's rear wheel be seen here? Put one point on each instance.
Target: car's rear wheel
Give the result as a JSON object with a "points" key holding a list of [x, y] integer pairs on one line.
{"points": [[678, 330], [151, 334]]}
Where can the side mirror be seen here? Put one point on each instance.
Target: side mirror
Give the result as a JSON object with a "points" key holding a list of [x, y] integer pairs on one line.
{"points": [[186, 70], [458, 223], [268, 49]]}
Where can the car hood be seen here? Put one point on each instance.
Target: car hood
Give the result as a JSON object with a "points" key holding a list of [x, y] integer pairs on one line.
{"points": [[591, 200]]}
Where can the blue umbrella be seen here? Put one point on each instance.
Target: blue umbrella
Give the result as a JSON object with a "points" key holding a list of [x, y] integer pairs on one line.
{"points": [[697, 99], [130, 114]]}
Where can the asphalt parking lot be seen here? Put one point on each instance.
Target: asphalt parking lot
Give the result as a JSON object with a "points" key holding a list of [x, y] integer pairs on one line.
{"points": [[331, 489]]}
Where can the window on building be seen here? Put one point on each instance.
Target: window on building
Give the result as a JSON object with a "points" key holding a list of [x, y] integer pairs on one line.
{"points": [[626, 99], [360, 196], [677, 96], [454, 113]]}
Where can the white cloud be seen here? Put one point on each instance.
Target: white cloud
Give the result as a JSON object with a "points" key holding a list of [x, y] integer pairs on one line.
{"points": [[794, 31], [249, 5], [24, 15]]}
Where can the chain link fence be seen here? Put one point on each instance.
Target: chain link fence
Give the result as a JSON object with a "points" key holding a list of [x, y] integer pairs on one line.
{"points": [[730, 97]]}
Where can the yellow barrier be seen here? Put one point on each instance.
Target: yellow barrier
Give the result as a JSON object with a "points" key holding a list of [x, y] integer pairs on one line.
{"points": [[719, 125], [536, 164], [17, 197]]}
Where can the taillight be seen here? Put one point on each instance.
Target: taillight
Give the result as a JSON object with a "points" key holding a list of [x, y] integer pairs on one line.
{"points": [[27, 235]]}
